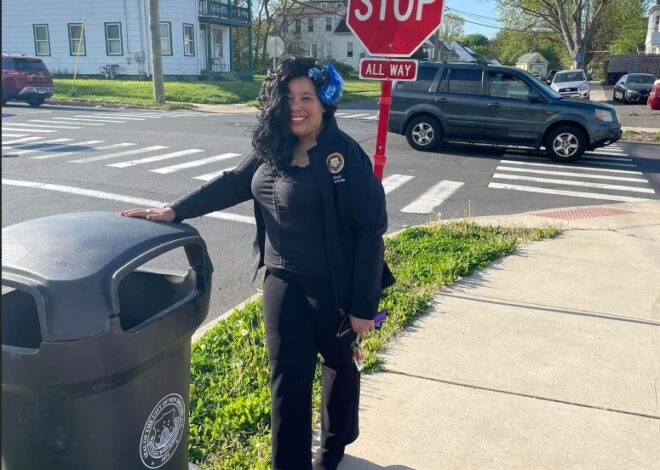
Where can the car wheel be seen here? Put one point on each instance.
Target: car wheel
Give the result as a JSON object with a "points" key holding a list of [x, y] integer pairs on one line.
{"points": [[424, 133], [36, 102], [565, 144]]}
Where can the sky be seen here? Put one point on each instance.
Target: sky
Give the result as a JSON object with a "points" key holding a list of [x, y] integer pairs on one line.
{"points": [[476, 11]]}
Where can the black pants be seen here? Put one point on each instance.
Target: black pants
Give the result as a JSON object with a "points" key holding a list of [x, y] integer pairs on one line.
{"points": [[300, 323]]}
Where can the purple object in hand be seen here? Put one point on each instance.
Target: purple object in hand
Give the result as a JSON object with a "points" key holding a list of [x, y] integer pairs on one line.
{"points": [[380, 317]]}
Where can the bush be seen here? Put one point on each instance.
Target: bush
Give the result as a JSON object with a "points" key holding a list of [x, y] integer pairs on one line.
{"points": [[344, 69]]}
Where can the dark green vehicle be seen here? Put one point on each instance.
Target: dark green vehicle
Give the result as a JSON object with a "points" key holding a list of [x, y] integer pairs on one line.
{"points": [[483, 103]]}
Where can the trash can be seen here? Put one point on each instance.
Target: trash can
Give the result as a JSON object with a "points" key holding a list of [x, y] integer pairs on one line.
{"points": [[96, 346]]}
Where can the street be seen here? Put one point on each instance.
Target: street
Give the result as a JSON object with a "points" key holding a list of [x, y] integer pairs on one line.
{"points": [[59, 159]]}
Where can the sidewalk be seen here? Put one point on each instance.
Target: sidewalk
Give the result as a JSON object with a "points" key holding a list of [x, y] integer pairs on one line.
{"points": [[549, 359]]}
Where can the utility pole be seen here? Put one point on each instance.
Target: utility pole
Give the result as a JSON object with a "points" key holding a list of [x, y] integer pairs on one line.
{"points": [[156, 56]]}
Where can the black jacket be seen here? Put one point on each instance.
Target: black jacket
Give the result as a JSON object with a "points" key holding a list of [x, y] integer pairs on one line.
{"points": [[354, 211]]}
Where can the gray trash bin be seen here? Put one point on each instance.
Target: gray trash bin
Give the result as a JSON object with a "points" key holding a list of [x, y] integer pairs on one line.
{"points": [[96, 349]]}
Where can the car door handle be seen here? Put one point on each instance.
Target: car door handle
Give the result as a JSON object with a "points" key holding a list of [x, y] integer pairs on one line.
{"points": [[442, 98], [494, 105]]}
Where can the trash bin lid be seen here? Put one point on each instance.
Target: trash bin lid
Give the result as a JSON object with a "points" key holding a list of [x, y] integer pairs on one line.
{"points": [[68, 261]]}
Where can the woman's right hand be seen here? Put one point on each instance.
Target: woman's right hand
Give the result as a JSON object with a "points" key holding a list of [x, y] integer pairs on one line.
{"points": [[156, 214]]}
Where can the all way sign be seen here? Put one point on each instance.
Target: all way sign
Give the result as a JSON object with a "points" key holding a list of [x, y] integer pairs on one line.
{"points": [[388, 69]]}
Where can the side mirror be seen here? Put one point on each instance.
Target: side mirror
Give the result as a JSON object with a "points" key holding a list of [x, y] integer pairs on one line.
{"points": [[534, 96]]}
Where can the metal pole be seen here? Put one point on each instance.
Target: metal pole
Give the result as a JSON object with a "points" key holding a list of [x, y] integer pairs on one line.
{"points": [[156, 54], [383, 121]]}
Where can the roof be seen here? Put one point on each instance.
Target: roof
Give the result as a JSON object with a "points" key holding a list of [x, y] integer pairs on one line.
{"points": [[531, 57]]}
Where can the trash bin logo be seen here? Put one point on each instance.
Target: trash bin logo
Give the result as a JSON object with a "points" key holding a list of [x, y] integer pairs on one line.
{"points": [[163, 431]]}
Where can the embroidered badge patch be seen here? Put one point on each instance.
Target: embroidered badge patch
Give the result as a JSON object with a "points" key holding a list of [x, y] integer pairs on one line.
{"points": [[335, 162]]}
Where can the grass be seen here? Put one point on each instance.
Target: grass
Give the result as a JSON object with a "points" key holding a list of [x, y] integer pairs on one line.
{"points": [[638, 136], [184, 94], [229, 409]]}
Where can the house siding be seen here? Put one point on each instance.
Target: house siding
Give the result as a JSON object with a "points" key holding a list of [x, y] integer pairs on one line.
{"points": [[17, 34]]}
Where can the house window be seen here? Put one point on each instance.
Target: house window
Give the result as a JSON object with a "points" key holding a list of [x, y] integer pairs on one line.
{"points": [[218, 50], [349, 49], [328, 49], [165, 38], [76, 39], [310, 24], [314, 50], [113, 44], [298, 25], [657, 23], [41, 39], [188, 39], [328, 23]]}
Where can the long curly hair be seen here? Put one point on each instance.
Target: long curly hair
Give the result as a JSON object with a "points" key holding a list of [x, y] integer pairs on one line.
{"points": [[272, 139]]}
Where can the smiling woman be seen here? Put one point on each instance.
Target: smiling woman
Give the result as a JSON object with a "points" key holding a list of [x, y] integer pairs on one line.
{"points": [[320, 215]]}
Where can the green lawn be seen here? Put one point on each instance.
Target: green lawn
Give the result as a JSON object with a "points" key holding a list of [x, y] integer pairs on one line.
{"points": [[182, 94], [230, 396]]}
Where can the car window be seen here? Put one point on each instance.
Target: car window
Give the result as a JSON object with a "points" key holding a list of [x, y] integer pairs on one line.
{"points": [[641, 79], [7, 63], [507, 85], [576, 76], [30, 65], [464, 81], [425, 76]]}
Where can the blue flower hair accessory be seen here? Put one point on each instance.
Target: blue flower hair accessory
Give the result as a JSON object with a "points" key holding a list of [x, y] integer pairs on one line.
{"points": [[329, 83]]}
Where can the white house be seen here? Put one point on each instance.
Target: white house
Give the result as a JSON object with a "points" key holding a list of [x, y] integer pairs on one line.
{"points": [[197, 36], [318, 29], [652, 43]]}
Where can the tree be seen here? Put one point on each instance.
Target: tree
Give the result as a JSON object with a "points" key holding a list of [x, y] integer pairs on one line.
{"points": [[451, 27], [575, 20], [478, 43]]}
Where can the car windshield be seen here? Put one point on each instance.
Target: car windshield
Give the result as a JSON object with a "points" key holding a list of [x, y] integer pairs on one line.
{"points": [[30, 65], [641, 79], [564, 77]]}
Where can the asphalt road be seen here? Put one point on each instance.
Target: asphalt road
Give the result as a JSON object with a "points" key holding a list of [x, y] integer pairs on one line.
{"points": [[63, 159]]}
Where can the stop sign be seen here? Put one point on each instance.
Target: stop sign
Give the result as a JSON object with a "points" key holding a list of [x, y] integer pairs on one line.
{"points": [[393, 27]]}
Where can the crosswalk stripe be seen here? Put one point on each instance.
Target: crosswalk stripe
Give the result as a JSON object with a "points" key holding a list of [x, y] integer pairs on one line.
{"points": [[17, 141], [340, 114], [88, 120], [157, 158], [572, 167], [569, 173], [120, 154], [372, 118], [585, 184], [90, 116], [210, 176], [433, 197], [14, 135], [32, 144], [83, 151], [57, 146], [601, 157], [195, 163], [353, 116], [561, 192], [393, 182], [60, 122], [47, 126], [119, 198], [20, 129]]}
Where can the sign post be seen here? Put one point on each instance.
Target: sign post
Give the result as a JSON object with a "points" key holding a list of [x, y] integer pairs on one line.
{"points": [[392, 29]]}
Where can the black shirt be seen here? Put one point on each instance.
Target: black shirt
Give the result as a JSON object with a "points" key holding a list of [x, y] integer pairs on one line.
{"points": [[292, 209]]}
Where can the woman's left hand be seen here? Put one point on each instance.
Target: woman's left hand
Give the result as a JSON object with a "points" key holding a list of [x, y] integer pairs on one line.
{"points": [[361, 326]]}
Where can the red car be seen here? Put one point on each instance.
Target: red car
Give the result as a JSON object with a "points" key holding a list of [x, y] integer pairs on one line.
{"points": [[654, 96], [25, 78]]}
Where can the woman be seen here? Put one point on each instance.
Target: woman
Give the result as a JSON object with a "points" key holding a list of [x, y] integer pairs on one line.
{"points": [[320, 214]]}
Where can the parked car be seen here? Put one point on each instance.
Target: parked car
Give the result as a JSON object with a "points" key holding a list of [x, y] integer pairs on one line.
{"points": [[483, 103], [633, 88], [654, 96], [550, 76], [571, 83], [25, 78]]}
